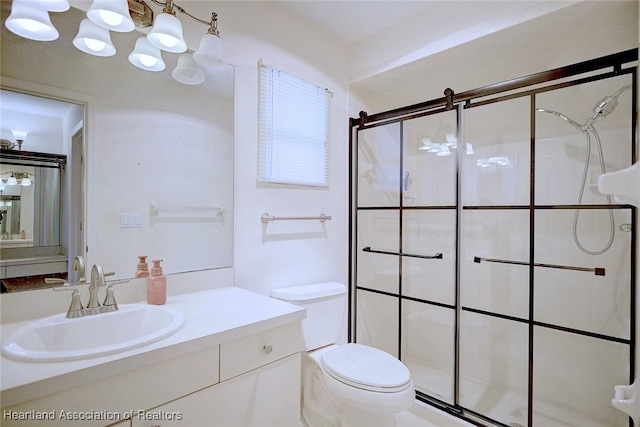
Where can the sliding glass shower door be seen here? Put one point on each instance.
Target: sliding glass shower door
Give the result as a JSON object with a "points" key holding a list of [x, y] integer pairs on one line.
{"points": [[495, 231], [485, 258]]}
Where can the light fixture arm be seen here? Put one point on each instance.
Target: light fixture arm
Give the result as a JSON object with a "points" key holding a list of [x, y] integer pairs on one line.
{"points": [[170, 7]]}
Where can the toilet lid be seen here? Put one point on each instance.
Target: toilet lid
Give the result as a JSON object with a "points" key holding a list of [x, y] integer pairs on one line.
{"points": [[366, 367]]}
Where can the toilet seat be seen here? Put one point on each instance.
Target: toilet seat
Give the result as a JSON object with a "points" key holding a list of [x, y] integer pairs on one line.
{"points": [[366, 368]]}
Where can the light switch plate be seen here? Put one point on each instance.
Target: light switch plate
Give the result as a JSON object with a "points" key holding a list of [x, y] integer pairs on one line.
{"points": [[130, 220]]}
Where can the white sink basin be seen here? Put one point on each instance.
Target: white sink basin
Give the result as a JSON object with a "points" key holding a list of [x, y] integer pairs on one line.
{"points": [[57, 338]]}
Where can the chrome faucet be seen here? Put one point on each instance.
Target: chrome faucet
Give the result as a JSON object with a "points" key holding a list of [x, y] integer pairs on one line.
{"points": [[78, 265], [97, 281]]}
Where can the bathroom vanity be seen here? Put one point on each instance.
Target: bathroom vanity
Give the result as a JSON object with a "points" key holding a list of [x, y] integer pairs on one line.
{"points": [[234, 362]]}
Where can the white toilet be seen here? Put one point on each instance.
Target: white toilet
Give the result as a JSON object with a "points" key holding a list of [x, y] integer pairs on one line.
{"points": [[350, 385]]}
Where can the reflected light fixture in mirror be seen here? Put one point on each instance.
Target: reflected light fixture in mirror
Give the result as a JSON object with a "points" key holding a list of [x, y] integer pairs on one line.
{"points": [[30, 19], [20, 136], [16, 178], [187, 71], [7, 139]]}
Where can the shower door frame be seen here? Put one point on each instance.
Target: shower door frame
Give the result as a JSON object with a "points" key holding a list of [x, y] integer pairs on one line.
{"points": [[528, 86]]}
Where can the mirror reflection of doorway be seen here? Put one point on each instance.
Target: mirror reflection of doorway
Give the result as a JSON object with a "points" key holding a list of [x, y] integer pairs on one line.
{"points": [[76, 241], [51, 208]]}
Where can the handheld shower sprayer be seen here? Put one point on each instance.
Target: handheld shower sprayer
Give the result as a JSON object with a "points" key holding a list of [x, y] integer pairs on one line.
{"points": [[603, 108]]}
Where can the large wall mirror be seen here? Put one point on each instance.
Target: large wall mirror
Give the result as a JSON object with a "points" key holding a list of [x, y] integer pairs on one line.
{"points": [[157, 172]]}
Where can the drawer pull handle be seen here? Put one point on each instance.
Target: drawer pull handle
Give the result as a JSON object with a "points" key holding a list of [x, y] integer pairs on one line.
{"points": [[267, 349]]}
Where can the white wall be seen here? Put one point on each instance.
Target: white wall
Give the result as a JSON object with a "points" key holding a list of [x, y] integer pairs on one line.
{"points": [[284, 253], [148, 138]]}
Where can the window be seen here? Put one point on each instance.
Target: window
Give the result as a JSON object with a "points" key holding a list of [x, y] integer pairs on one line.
{"points": [[294, 130]]}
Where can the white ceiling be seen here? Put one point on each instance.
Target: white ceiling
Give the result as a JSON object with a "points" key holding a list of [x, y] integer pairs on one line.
{"points": [[465, 44], [351, 21], [23, 112]]}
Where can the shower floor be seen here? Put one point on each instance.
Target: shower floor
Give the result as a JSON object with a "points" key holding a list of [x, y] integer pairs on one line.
{"points": [[503, 405]]}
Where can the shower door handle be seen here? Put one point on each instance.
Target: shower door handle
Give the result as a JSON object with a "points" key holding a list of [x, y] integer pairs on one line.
{"points": [[375, 251], [599, 271]]}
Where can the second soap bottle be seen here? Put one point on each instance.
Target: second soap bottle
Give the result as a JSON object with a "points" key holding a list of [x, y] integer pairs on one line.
{"points": [[156, 285]]}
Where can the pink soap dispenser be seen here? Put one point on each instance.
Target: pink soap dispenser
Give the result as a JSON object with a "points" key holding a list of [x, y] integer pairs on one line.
{"points": [[156, 285], [143, 268]]}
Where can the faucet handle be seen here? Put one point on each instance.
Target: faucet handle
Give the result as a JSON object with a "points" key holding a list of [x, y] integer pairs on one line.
{"points": [[65, 283], [110, 303], [55, 280], [75, 308]]}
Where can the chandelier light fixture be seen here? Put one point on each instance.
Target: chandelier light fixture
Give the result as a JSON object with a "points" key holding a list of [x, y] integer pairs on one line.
{"points": [[16, 178], [30, 19]]}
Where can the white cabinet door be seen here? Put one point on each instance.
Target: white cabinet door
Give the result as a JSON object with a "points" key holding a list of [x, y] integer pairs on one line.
{"points": [[265, 397]]}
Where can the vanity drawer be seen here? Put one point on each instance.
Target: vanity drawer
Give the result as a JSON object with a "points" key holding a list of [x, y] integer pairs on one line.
{"points": [[244, 354]]}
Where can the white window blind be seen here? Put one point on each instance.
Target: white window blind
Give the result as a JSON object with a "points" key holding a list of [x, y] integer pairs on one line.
{"points": [[295, 117]]}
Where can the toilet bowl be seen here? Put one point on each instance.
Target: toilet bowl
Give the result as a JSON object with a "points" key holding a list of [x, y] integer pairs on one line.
{"points": [[348, 385]]}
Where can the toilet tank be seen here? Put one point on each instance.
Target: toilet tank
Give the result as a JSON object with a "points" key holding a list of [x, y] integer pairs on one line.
{"points": [[326, 305]]}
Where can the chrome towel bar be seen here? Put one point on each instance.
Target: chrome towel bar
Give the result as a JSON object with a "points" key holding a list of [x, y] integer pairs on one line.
{"points": [[266, 218]]}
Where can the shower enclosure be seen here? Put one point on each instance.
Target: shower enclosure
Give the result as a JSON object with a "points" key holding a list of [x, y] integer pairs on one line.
{"points": [[483, 255]]}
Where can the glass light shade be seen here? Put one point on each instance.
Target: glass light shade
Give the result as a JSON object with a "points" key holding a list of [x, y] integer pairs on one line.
{"points": [[146, 56], [7, 135], [25, 182], [187, 71], [429, 146], [469, 149], [30, 22], [12, 181], [166, 34], [94, 40], [19, 134], [50, 5], [112, 15], [443, 151], [452, 140], [210, 53]]}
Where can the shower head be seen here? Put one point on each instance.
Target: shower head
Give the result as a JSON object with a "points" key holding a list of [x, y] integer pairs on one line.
{"points": [[603, 108]]}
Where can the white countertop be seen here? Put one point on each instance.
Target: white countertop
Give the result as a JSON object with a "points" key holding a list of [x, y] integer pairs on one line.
{"points": [[33, 259], [211, 317]]}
